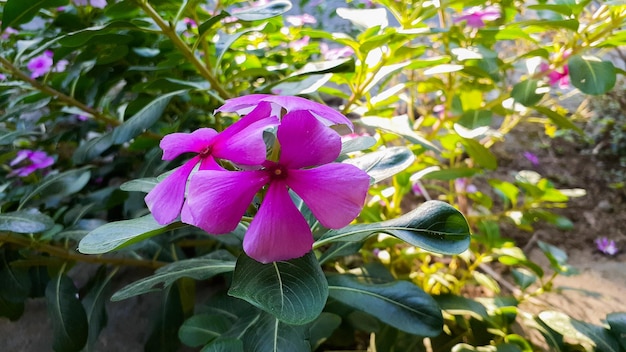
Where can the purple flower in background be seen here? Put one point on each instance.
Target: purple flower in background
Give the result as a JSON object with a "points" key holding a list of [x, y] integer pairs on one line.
{"points": [[476, 16], [606, 246], [99, 4], [242, 143], [190, 22], [534, 159], [40, 65], [335, 192], [300, 20], [560, 78], [8, 32], [335, 53], [325, 114], [462, 185], [31, 160], [2, 77], [297, 45]]}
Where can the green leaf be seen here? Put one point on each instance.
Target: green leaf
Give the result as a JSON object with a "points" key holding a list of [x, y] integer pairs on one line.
{"points": [[525, 92], [8, 137], [225, 41], [59, 185], [400, 304], [11, 310], [293, 291], [617, 322], [94, 303], [558, 119], [196, 268], [201, 329], [18, 12], [399, 125], [92, 148], [451, 174], [206, 25], [262, 12], [15, 284], [69, 320], [167, 322], [481, 155], [140, 185], [591, 75], [144, 118], [25, 221], [590, 337], [473, 119], [357, 144], [322, 328], [523, 277], [88, 35], [268, 334], [119, 234], [434, 226], [384, 163], [322, 67], [224, 345]]}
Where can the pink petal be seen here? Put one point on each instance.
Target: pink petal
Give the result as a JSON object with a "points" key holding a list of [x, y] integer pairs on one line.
{"points": [[166, 198], [176, 144], [242, 142], [304, 141], [335, 193], [324, 113], [241, 104], [218, 199], [278, 231]]}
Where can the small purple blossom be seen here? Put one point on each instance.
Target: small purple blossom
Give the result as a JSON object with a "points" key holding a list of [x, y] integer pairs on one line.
{"points": [[606, 246], [8, 32], [534, 159], [99, 4], [31, 161], [297, 45], [40, 65], [335, 53], [301, 20], [555, 77], [462, 185], [2, 77], [475, 17]]}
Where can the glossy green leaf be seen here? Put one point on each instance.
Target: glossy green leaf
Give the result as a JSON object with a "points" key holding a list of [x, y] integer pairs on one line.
{"points": [[92, 148], [322, 67], [167, 321], [195, 268], [268, 334], [591, 75], [224, 345], [617, 323], [143, 119], [200, 329], [262, 12], [119, 234], [98, 292], [525, 92], [472, 119], [384, 163], [558, 119], [400, 304], [481, 155], [25, 221], [591, 337], [59, 185], [68, 317], [225, 41], [434, 226], [88, 35], [294, 291], [451, 174], [206, 25], [144, 185], [16, 12]]}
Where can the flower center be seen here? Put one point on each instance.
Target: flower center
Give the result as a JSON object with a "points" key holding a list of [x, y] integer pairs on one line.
{"points": [[277, 172], [205, 152]]}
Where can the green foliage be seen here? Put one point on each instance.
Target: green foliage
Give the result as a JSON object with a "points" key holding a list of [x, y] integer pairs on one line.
{"points": [[430, 95]]}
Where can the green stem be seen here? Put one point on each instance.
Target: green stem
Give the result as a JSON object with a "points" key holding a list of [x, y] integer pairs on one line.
{"points": [[169, 31]]}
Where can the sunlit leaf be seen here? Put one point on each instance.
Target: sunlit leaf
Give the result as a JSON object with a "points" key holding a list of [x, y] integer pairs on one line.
{"points": [[591, 75], [525, 92], [384, 163], [262, 12]]}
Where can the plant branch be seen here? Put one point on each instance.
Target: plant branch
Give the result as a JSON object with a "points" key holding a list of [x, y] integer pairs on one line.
{"points": [[55, 93], [169, 31], [72, 255]]}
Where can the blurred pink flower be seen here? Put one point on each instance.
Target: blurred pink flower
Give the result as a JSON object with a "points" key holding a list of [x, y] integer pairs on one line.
{"points": [[100, 4], [300, 20], [40, 65], [606, 246], [297, 45], [462, 185], [335, 53], [190, 22], [334, 192], [31, 160], [534, 159], [2, 77], [9, 31], [555, 77], [476, 16]]}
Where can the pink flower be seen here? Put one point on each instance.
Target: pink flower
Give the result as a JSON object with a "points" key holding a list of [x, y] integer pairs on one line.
{"points": [[335, 192], [335, 53], [8, 32], [297, 45], [462, 185], [241, 143], [2, 77], [606, 246], [555, 77], [300, 20], [34, 159], [99, 4], [532, 158], [40, 65], [190, 22], [325, 114], [476, 16]]}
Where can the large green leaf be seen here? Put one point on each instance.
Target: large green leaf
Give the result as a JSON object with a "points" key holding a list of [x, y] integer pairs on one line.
{"points": [[263, 12], [225, 41], [591, 75], [268, 334], [589, 336], [119, 234], [144, 118], [400, 304], [201, 329], [434, 226], [88, 35], [294, 291], [479, 153], [224, 345], [384, 163], [196, 268], [15, 283], [93, 148], [525, 92], [25, 221], [59, 185], [617, 322], [69, 320], [94, 303], [140, 185], [17, 12], [169, 317]]}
